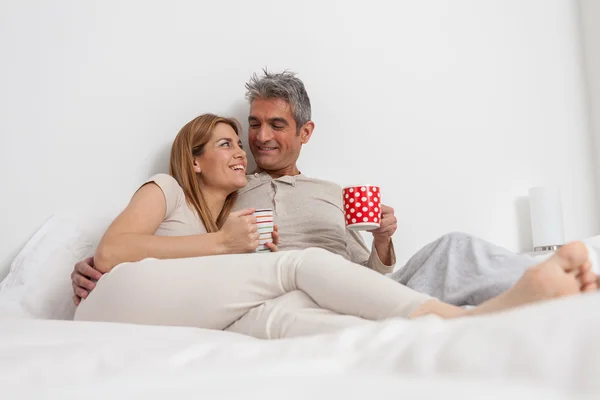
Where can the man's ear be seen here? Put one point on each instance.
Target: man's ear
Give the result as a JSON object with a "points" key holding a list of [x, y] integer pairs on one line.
{"points": [[306, 131]]}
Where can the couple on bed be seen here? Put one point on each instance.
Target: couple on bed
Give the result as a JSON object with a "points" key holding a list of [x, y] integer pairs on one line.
{"points": [[182, 251]]}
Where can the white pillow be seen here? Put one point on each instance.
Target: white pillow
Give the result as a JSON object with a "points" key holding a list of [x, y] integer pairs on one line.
{"points": [[38, 284]]}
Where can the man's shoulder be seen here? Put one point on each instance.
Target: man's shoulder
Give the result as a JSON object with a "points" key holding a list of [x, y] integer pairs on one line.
{"points": [[323, 189], [322, 184]]}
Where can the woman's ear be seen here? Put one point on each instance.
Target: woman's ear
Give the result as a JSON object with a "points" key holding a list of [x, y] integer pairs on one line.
{"points": [[197, 168]]}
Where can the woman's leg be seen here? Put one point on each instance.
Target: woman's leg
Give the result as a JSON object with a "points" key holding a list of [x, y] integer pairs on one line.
{"points": [[346, 288], [291, 315], [568, 272], [343, 287], [213, 292]]}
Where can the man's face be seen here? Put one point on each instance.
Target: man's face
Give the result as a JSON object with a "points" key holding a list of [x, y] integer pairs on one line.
{"points": [[273, 137]]}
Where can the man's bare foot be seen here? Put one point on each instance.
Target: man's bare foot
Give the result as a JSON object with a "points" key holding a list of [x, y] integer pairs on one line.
{"points": [[567, 272]]}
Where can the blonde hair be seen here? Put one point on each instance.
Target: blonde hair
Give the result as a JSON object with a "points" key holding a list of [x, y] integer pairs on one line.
{"points": [[189, 143]]}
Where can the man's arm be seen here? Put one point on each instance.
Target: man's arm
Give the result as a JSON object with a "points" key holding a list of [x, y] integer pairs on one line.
{"points": [[83, 277], [382, 257], [382, 237], [359, 253], [384, 250]]}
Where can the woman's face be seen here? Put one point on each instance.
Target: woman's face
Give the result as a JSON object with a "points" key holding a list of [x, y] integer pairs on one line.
{"points": [[223, 163]]}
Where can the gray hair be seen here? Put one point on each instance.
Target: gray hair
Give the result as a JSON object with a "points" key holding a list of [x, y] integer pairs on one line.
{"points": [[284, 86]]}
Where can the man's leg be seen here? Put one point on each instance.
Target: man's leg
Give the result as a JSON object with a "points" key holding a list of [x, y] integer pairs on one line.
{"points": [[461, 269], [569, 271]]}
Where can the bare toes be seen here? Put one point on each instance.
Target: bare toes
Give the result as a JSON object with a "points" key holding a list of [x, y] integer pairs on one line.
{"points": [[572, 256], [586, 275], [591, 287]]}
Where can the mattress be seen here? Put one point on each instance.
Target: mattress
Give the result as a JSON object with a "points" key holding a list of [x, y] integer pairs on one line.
{"points": [[549, 350]]}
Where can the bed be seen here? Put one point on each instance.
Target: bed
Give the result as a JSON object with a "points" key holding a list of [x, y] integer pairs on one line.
{"points": [[549, 350], [542, 351]]}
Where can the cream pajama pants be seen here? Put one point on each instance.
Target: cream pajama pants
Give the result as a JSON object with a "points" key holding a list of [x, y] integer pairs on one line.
{"points": [[272, 295]]}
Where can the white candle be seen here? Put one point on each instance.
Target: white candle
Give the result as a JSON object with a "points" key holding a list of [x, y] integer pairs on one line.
{"points": [[545, 208]]}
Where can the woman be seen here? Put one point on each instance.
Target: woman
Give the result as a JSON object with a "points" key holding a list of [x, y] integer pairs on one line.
{"points": [[178, 251]]}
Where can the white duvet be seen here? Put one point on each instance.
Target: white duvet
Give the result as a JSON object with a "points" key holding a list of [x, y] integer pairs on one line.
{"points": [[542, 351]]}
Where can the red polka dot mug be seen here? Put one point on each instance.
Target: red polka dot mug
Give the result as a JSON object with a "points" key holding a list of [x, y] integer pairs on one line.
{"points": [[362, 207]]}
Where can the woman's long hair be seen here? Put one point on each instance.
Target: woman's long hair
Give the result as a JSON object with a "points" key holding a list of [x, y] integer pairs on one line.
{"points": [[189, 143]]}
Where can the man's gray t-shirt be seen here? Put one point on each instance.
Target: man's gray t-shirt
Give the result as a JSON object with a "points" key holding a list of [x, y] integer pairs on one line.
{"points": [[309, 213]]}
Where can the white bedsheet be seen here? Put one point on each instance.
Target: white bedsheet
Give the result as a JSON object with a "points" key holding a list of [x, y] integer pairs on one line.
{"points": [[542, 351]]}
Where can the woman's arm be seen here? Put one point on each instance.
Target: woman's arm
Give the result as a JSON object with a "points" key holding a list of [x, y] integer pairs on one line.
{"points": [[131, 237]]}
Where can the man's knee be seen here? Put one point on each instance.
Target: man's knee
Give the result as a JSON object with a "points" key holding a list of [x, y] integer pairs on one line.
{"points": [[455, 237]]}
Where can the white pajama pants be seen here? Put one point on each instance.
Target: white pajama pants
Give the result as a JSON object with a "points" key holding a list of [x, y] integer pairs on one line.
{"points": [[272, 295]]}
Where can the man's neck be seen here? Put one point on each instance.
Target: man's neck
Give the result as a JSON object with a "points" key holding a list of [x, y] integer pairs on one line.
{"points": [[287, 171]]}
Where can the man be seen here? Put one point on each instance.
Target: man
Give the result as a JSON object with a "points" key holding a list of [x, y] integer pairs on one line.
{"points": [[309, 211]]}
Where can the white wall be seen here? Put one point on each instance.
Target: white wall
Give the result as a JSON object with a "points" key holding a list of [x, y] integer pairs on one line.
{"points": [[590, 19], [455, 108]]}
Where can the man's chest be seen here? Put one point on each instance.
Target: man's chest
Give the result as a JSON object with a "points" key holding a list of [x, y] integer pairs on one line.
{"points": [[298, 210]]}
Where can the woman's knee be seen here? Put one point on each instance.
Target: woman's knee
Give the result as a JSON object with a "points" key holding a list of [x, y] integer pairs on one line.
{"points": [[317, 253], [296, 299]]}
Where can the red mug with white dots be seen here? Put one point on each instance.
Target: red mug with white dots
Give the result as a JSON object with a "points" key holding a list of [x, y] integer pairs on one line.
{"points": [[362, 207]]}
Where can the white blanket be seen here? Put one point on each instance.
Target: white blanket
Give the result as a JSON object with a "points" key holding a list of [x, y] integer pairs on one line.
{"points": [[542, 351]]}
